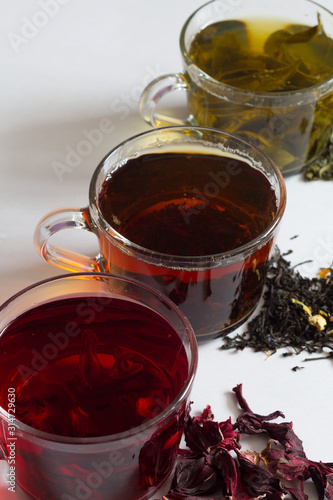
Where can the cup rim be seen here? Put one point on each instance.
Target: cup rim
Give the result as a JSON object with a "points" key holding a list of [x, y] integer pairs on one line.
{"points": [[324, 87], [35, 434], [181, 262]]}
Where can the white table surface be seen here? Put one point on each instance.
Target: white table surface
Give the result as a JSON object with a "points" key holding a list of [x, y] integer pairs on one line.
{"points": [[89, 61]]}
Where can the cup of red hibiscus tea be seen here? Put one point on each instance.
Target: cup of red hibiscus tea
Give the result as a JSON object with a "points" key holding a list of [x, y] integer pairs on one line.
{"points": [[95, 371], [260, 69], [190, 211]]}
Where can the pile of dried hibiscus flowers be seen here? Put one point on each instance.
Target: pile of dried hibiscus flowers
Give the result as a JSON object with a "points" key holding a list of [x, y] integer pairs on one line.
{"points": [[214, 464]]}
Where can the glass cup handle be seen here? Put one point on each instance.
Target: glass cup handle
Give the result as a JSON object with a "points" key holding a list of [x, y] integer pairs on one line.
{"points": [[152, 94], [55, 221]]}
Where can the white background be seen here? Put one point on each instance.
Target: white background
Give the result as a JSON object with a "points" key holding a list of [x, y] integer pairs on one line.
{"points": [[89, 61]]}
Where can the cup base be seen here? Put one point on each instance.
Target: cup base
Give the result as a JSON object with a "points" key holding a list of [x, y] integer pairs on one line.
{"points": [[225, 331]]}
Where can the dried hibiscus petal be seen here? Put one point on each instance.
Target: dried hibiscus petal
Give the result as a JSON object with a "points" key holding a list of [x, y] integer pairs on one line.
{"points": [[207, 414], [328, 491], [203, 434], [259, 480], [229, 472], [285, 434], [296, 494], [195, 476], [257, 419], [180, 496], [283, 464], [252, 423], [322, 476], [214, 463]]}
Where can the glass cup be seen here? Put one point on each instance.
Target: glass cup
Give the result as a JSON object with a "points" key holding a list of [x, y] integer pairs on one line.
{"points": [[77, 360], [292, 126], [213, 213]]}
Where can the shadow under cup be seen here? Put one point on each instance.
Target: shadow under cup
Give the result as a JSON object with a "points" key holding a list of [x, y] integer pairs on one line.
{"points": [[96, 372], [190, 211]]}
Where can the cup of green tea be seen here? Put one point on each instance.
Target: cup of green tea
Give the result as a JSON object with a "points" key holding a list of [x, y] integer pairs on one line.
{"points": [[96, 371], [191, 211], [260, 69]]}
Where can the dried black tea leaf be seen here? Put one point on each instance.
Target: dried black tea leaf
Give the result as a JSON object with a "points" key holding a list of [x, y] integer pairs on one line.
{"points": [[297, 313]]}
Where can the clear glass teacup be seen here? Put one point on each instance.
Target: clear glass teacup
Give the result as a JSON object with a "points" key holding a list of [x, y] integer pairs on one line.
{"points": [[271, 83], [191, 211], [96, 373]]}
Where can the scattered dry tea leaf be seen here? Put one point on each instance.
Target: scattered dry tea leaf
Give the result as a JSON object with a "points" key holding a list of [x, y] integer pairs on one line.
{"points": [[294, 313], [306, 309]]}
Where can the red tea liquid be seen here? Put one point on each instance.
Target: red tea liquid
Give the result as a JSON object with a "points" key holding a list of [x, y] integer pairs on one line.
{"points": [[192, 205], [90, 367]]}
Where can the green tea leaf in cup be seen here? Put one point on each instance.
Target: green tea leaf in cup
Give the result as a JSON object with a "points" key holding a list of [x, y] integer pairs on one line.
{"points": [[267, 57]]}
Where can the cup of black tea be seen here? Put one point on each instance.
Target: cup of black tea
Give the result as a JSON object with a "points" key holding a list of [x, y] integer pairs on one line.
{"points": [[96, 372], [191, 211], [260, 69]]}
